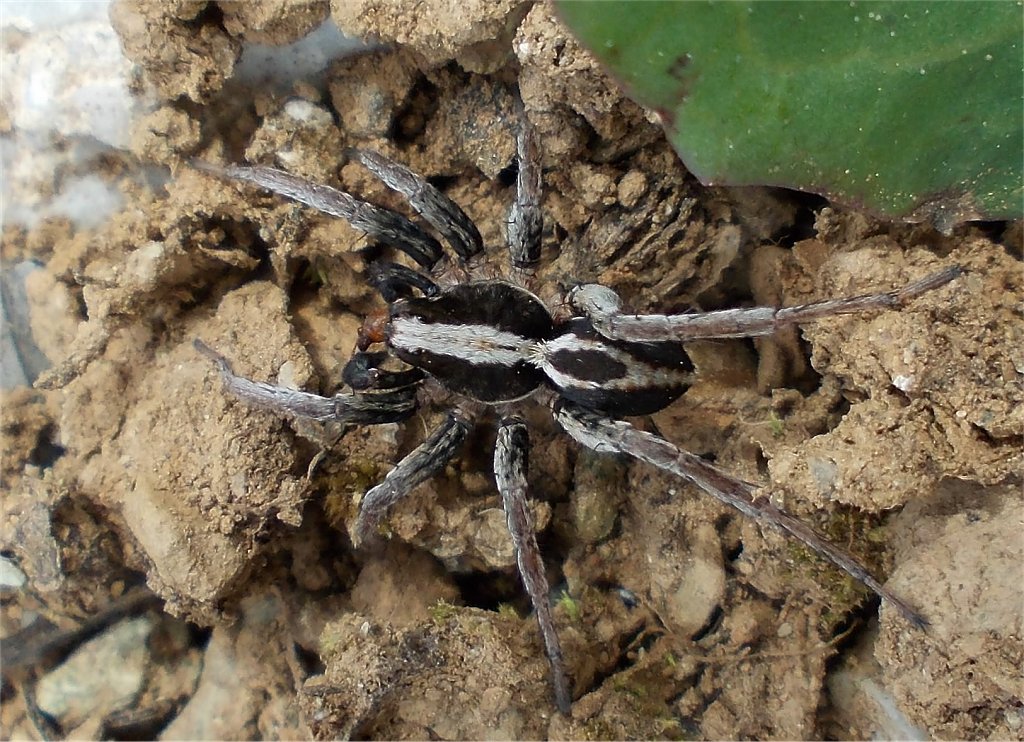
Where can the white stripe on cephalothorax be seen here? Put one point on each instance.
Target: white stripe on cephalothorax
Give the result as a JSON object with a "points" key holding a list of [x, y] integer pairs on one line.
{"points": [[639, 374], [474, 344]]}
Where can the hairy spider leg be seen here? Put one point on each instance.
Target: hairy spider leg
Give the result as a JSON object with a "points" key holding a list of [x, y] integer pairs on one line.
{"points": [[416, 467], [394, 281], [443, 214], [603, 308], [447, 217], [511, 454], [606, 435], [525, 218], [372, 408], [384, 225]]}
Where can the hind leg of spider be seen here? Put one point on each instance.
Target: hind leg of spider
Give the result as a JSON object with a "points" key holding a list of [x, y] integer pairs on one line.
{"points": [[510, 466], [603, 434], [419, 465], [603, 308], [369, 408]]}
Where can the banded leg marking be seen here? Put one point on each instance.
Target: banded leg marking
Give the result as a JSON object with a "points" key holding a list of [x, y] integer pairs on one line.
{"points": [[510, 466]]}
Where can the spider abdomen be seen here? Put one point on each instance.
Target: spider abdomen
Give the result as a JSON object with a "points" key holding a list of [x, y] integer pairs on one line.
{"points": [[616, 377], [477, 339]]}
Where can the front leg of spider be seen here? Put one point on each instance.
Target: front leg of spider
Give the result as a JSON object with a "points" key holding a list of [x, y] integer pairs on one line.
{"points": [[443, 214], [510, 465], [374, 408], [525, 219], [390, 228]]}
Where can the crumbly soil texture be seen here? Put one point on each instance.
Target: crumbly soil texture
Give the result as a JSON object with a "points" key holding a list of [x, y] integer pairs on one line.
{"points": [[129, 472]]}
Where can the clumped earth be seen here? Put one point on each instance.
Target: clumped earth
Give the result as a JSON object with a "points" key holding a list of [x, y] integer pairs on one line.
{"points": [[128, 472]]}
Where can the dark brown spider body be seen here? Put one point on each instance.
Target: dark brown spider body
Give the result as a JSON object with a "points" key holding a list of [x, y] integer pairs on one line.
{"points": [[494, 341]]}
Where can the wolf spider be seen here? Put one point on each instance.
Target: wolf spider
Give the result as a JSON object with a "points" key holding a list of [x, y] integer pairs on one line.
{"points": [[492, 341]]}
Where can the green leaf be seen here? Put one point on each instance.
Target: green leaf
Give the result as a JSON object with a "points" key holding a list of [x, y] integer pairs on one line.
{"points": [[911, 109]]}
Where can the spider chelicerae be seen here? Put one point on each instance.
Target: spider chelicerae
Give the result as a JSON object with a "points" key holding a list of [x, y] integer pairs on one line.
{"points": [[492, 341]]}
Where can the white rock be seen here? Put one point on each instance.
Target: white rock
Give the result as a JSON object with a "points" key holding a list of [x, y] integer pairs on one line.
{"points": [[103, 675]]}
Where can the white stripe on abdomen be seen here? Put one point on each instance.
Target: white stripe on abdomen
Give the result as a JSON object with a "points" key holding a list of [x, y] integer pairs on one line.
{"points": [[474, 344]]}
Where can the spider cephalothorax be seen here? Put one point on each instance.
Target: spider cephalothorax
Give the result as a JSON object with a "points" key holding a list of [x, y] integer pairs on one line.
{"points": [[493, 341]]}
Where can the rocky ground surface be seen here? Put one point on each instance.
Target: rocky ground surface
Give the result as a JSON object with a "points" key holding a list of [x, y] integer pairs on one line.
{"points": [[177, 564]]}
